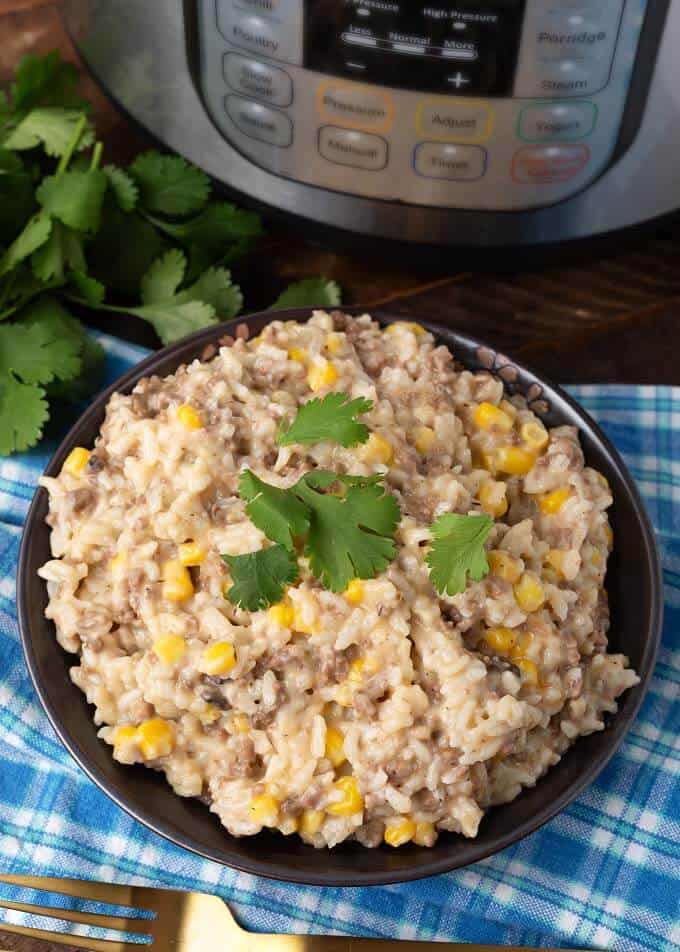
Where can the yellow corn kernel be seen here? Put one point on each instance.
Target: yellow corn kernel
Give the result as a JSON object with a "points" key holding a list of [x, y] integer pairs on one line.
{"points": [[509, 408], [553, 502], [240, 724], [609, 536], [282, 614], [298, 354], [534, 436], [311, 821], [522, 645], [125, 734], [514, 461], [189, 417], [423, 439], [322, 375], [493, 499], [333, 343], [264, 809], [351, 801], [407, 326], [169, 648], [486, 415], [354, 593], [555, 559], [377, 450], [504, 565], [529, 669], [425, 834], [76, 461], [118, 565], [344, 694], [529, 593], [177, 584], [335, 746], [191, 553], [500, 639], [596, 558], [218, 659], [398, 832], [156, 738]]}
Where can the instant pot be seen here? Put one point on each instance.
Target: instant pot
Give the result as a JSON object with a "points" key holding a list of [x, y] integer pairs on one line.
{"points": [[449, 122]]}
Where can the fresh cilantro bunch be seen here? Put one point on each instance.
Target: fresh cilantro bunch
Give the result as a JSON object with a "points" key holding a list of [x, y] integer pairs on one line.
{"points": [[149, 240]]}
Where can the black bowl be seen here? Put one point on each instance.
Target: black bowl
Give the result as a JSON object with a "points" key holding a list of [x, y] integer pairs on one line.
{"points": [[635, 592]]}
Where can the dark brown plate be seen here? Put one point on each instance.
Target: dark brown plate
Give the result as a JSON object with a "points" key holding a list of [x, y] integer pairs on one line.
{"points": [[633, 582]]}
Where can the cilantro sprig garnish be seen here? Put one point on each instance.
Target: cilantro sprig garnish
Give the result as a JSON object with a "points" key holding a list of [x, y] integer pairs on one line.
{"points": [[149, 241], [458, 551], [260, 577], [332, 418], [345, 524]]}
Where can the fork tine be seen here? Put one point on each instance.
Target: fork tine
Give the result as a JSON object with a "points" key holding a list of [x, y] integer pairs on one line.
{"points": [[75, 941], [82, 889], [83, 918]]}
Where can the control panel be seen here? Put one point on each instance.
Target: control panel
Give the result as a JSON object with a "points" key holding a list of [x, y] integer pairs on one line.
{"points": [[498, 105]]}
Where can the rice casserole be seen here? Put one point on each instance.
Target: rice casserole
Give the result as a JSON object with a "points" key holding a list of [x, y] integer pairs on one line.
{"points": [[386, 712]]}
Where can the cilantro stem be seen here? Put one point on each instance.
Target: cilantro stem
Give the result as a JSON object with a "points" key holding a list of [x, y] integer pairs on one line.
{"points": [[96, 156], [7, 290], [73, 144]]}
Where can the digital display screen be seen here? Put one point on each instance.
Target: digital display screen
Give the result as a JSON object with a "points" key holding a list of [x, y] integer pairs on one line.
{"points": [[467, 47]]}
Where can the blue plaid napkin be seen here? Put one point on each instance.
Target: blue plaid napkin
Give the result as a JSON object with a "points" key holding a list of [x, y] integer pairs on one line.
{"points": [[603, 874]]}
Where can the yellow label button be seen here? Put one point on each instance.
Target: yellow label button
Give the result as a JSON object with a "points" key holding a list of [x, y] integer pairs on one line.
{"points": [[356, 106]]}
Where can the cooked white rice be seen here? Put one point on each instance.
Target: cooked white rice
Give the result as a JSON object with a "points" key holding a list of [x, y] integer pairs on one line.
{"points": [[435, 707]]}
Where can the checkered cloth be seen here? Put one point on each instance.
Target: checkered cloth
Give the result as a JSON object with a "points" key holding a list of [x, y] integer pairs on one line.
{"points": [[605, 873]]}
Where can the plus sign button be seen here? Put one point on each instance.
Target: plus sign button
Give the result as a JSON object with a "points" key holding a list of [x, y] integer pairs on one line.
{"points": [[459, 80]]}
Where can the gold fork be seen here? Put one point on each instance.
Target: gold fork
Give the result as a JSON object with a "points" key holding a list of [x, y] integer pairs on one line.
{"points": [[184, 922]]}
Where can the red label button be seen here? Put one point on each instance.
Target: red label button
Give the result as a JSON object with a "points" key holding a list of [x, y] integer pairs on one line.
{"points": [[549, 165]]}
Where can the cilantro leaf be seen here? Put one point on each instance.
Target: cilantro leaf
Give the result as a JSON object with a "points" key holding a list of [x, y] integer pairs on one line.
{"points": [[329, 418], [276, 512], [123, 187], [92, 291], [51, 127], [350, 536], [214, 287], [161, 281], [63, 250], [124, 249], [311, 292], [82, 387], [221, 230], [169, 185], [17, 202], [75, 198], [260, 577], [35, 234], [172, 321], [45, 81], [458, 551], [23, 413], [172, 315], [37, 353]]}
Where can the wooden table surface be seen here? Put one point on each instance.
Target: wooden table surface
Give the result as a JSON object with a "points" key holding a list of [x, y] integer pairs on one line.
{"points": [[608, 318]]}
